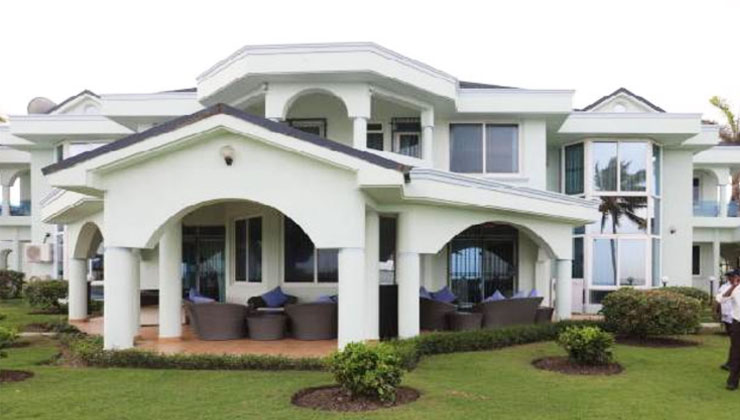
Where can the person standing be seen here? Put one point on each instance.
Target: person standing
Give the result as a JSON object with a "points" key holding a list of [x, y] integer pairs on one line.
{"points": [[725, 309], [732, 295]]}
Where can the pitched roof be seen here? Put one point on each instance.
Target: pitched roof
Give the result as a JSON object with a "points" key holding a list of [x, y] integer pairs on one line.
{"points": [[475, 85], [626, 92], [71, 98], [217, 109]]}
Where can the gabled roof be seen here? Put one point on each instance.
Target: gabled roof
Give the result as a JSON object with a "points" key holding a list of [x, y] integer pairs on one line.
{"points": [[217, 109], [72, 98], [475, 85], [626, 92]]}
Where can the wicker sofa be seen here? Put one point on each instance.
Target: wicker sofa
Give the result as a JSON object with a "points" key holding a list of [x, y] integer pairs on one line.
{"points": [[433, 314], [312, 321], [217, 321], [502, 313], [256, 302]]}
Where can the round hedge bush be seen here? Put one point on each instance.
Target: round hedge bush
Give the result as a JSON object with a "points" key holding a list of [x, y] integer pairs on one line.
{"points": [[587, 345], [693, 292], [645, 313], [369, 371], [46, 294]]}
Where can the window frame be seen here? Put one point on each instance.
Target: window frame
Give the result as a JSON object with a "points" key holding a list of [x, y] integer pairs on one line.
{"points": [[281, 261], [380, 131], [699, 264], [484, 123], [247, 219], [397, 142], [299, 123]]}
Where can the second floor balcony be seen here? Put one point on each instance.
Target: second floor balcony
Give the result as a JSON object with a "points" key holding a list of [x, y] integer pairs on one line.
{"points": [[19, 209], [709, 208]]}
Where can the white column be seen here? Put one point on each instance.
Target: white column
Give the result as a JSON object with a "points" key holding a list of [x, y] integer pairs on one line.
{"points": [[77, 289], [408, 274], [359, 133], [372, 273], [170, 282], [352, 300], [136, 285], [119, 292], [723, 202], [427, 144], [6, 200], [563, 289]]}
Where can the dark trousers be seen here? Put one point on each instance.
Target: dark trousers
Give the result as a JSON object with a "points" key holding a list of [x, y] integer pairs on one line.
{"points": [[734, 354], [728, 327]]}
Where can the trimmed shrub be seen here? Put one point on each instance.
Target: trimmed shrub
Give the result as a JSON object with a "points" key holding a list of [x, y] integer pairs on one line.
{"points": [[587, 345], [11, 284], [373, 372], [693, 292], [8, 336], [644, 313], [46, 294]]}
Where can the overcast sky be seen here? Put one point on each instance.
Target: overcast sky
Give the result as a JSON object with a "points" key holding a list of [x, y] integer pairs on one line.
{"points": [[675, 53]]}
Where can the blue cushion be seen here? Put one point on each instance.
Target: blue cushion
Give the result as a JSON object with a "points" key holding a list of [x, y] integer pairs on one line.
{"points": [[424, 293], [275, 298], [519, 295], [534, 293], [194, 297], [325, 299], [444, 295], [497, 295]]}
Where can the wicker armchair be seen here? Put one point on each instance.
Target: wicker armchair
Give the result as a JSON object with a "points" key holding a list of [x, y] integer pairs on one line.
{"points": [[502, 313], [217, 321], [433, 314], [312, 321], [544, 315]]}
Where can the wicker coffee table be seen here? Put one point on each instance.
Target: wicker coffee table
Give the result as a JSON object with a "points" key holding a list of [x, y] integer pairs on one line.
{"points": [[266, 326], [464, 321]]}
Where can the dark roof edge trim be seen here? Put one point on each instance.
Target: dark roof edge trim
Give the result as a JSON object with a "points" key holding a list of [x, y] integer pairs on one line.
{"points": [[72, 98], [186, 120], [617, 92]]}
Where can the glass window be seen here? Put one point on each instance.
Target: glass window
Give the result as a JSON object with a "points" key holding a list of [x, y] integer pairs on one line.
{"points": [[387, 250], [577, 258], [255, 250], [632, 168], [655, 221], [240, 249], [328, 261], [656, 262], [696, 192], [623, 214], [632, 262], [656, 169], [502, 143], [298, 254], [59, 152], [375, 141], [597, 296], [466, 148], [604, 158], [408, 144], [574, 169], [696, 260], [315, 126], [604, 264]]}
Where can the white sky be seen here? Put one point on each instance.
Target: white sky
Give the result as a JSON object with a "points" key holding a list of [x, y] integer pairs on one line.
{"points": [[675, 53]]}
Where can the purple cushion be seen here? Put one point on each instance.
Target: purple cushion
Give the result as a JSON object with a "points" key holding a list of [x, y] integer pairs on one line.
{"points": [[497, 295], [324, 299], [275, 298], [534, 293], [194, 297], [444, 295], [424, 293], [519, 295]]}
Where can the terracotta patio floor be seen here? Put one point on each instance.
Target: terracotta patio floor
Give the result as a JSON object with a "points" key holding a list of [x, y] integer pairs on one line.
{"points": [[148, 339]]}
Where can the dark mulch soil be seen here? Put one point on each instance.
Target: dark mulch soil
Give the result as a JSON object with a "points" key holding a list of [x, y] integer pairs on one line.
{"points": [[657, 342], [14, 375], [47, 312], [564, 365], [332, 398]]}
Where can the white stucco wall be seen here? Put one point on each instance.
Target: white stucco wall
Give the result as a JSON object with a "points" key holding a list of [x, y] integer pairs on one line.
{"points": [[677, 215]]}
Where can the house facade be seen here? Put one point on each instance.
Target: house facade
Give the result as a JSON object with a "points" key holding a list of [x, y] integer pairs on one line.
{"points": [[336, 168]]}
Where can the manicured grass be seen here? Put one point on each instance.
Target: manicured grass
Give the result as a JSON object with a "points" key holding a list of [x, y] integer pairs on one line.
{"points": [[658, 383], [18, 314]]}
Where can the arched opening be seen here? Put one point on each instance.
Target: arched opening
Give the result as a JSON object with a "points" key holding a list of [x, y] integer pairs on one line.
{"points": [[321, 113], [705, 193], [90, 248]]}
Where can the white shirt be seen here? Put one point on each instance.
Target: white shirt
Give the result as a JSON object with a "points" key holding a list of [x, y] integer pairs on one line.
{"points": [[732, 301], [725, 305]]}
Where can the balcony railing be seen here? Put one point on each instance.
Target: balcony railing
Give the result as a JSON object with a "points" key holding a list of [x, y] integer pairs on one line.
{"points": [[22, 209], [711, 209]]}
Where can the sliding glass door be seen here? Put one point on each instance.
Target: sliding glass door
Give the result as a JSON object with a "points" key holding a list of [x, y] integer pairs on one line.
{"points": [[203, 255]]}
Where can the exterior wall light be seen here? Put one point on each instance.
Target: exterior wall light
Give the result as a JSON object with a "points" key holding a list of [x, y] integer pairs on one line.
{"points": [[227, 152]]}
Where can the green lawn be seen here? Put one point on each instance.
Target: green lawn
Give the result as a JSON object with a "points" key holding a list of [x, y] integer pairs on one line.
{"points": [[657, 383], [18, 314]]}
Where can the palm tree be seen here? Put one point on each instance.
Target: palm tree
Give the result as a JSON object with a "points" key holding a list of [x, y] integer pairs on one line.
{"points": [[617, 207], [729, 133]]}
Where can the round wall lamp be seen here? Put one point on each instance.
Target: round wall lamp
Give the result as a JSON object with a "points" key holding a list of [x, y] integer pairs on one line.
{"points": [[227, 152]]}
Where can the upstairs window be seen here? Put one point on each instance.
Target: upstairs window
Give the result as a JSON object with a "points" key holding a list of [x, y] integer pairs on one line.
{"points": [[484, 148], [316, 126], [573, 168], [407, 136], [375, 136]]}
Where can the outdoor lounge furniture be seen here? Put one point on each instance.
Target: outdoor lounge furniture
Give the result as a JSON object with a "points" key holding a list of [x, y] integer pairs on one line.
{"points": [[464, 321], [502, 313], [256, 302], [432, 314], [266, 326], [217, 321], [312, 321], [544, 315]]}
